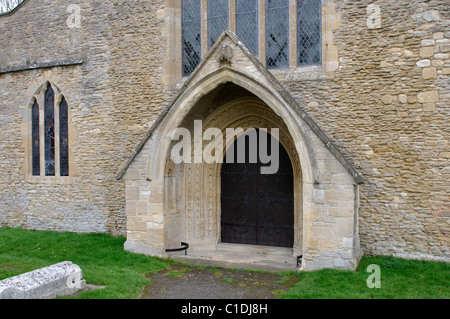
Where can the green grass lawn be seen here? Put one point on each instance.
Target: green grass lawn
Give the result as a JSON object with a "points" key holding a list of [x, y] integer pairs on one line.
{"points": [[101, 257], [104, 262], [399, 278]]}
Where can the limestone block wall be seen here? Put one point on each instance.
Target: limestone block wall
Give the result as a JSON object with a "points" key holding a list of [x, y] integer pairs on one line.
{"points": [[113, 91], [383, 99], [145, 222], [387, 108]]}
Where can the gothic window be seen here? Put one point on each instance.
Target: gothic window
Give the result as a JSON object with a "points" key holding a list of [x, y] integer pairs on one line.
{"points": [[191, 35], [247, 23], [217, 19], [51, 156]]}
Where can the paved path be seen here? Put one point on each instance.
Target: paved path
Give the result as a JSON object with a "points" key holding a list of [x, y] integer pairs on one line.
{"points": [[195, 282]]}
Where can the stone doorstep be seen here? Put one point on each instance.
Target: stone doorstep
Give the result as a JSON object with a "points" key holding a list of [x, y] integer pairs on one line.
{"points": [[61, 279], [240, 256]]}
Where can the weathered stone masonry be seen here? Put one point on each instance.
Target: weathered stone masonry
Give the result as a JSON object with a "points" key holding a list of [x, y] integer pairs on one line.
{"points": [[382, 99]]}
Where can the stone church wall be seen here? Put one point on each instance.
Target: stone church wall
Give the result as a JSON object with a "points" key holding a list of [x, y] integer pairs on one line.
{"points": [[385, 105], [387, 108], [113, 96]]}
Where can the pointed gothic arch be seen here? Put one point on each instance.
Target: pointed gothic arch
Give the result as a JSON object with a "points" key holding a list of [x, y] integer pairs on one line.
{"points": [[48, 136], [169, 203]]}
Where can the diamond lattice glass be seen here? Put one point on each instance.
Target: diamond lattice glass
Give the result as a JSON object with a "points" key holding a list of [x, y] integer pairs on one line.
{"points": [[217, 19], [309, 30], [191, 35], [277, 34], [247, 23]]}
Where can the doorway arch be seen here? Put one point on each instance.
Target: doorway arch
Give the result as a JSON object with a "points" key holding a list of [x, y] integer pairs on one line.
{"points": [[257, 208], [199, 211], [167, 202]]}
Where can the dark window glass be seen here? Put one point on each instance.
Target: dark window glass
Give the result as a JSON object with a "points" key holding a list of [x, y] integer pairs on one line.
{"points": [[277, 33], [63, 138], [35, 139], [217, 19], [309, 32], [191, 35], [247, 23], [49, 131]]}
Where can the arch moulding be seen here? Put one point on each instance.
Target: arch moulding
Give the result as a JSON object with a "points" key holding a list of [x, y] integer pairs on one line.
{"points": [[327, 185]]}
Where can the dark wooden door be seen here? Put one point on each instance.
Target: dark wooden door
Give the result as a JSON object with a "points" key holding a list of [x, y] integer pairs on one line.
{"points": [[257, 208]]}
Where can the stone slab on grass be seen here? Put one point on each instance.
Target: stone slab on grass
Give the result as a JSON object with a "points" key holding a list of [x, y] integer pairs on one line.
{"points": [[60, 279]]}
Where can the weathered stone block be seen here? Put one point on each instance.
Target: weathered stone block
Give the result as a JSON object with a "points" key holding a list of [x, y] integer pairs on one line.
{"points": [[387, 99], [403, 98], [429, 73], [426, 52], [423, 63], [428, 42], [428, 97], [442, 56], [61, 279], [428, 107]]}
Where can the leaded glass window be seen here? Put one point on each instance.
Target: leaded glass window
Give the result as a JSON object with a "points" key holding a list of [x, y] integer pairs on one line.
{"points": [[309, 32], [247, 23], [268, 30], [35, 139], [63, 138], [49, 131], [277, 33], [217, 19], [191, 35]]}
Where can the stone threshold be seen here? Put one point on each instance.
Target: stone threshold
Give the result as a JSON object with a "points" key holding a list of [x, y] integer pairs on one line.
{"points": [[240, 256]]}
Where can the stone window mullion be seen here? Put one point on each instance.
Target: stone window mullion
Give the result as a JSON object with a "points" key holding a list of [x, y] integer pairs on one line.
{"points": [[232, 16], [293, 33], [262, 31], [204, 27]]}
